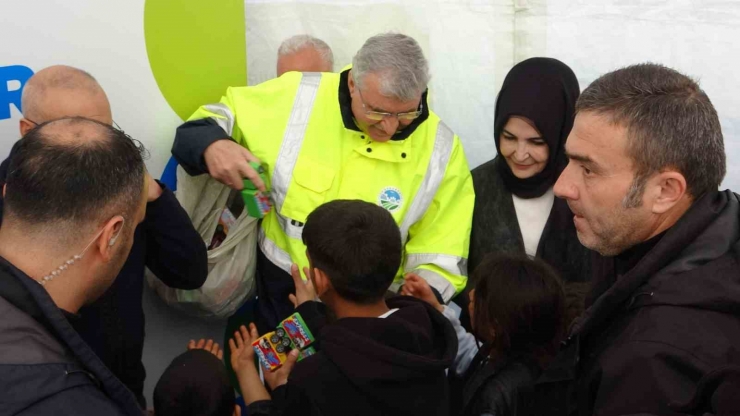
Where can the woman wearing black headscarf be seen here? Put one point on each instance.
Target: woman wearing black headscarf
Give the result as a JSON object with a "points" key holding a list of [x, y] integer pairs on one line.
{"points": [[515, 208]]}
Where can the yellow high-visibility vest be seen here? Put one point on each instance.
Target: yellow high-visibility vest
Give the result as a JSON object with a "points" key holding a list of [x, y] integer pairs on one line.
{"points": [[294, 125]]}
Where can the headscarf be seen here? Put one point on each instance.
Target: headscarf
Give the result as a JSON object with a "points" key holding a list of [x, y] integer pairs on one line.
{"points": [[545, 91]]}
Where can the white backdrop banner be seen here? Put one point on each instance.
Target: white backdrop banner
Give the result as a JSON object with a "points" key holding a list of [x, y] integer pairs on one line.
{"points": [[471, 44]]}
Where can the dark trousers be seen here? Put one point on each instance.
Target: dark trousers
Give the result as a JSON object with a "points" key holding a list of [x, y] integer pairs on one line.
{"points": [[273, 287]]}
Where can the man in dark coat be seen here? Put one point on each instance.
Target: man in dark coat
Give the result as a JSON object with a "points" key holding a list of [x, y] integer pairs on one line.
{"points": [[646, 159], [166, 241], [74, 196]]}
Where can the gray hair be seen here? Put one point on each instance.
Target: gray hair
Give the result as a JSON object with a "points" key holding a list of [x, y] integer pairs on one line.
{"points": [[399, 62], [670, 121], [298, 42]]}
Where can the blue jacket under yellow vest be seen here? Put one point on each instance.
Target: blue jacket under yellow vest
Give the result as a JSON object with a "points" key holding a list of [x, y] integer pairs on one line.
{"points": [[301, 127]]}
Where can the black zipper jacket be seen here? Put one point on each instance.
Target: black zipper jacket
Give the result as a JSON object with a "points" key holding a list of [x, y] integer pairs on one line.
{"points": [[648, 339]]}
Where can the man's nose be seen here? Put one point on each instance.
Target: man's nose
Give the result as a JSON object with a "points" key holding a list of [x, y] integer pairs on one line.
{"points": [[390, 125], [565, 187]]}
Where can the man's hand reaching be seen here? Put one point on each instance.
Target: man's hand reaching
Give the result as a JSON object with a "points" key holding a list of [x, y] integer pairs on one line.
{"points": [[228, 163]]}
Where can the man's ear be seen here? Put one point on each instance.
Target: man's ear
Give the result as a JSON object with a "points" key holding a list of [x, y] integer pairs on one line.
{"points": [[668, 189], [110, 237], [321, 283], [351, 82], [5, 186], [26, 126]]}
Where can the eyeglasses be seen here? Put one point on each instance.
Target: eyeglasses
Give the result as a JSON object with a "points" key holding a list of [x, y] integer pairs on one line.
{"points": [[379, 115]]}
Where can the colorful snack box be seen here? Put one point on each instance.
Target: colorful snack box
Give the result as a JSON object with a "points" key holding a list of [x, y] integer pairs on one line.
{"points": [[272, 348], [257, 202], [271, 354], [297, 331]]}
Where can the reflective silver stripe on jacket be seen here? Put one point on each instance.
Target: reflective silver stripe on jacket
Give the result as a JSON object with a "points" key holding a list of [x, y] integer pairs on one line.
{"points": [[443, 286], [293, 138], [432, 179], [226, 121], [451, 264], [286, 160], [274, 253], [291, 228]]}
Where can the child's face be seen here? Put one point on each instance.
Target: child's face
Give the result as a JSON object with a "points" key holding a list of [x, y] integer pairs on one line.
{"points": [[471, 308]]}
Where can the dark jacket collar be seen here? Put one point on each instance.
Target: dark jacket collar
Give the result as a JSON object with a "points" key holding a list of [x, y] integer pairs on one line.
{"points": [[345, 105], [625, 261], [31, 298], [708, 231], [14, 291]]}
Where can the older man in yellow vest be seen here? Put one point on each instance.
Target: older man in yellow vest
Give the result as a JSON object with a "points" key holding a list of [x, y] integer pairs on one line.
{"points": [[365, 133]]}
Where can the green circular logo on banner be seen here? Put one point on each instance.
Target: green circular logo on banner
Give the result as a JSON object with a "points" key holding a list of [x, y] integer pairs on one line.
{"points": [[196, 50]]}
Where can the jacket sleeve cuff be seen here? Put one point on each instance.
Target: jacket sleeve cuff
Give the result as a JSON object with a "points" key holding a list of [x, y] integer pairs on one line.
{"points": [[158, 204], [314, 315], [262, 407], [439, 284], [191, 141]]}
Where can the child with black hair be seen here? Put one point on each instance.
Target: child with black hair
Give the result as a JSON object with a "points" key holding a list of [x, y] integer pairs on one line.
{"points": [[196, 384], [379, 356], [517, 311]]}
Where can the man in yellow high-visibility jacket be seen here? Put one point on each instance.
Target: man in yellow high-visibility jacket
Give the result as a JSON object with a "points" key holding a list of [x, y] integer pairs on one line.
{"points": [[366, 133]]}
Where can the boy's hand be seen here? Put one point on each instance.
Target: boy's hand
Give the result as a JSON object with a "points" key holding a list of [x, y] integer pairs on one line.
{"points": [[417, 287], [242, 353], [242, 361], [279, 377], [304, 291], [209, 346]]}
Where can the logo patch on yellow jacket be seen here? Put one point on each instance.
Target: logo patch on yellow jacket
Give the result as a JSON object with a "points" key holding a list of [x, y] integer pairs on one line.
{"points": [[390, 198]]}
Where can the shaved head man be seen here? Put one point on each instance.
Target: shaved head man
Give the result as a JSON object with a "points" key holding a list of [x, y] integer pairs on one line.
{"points": [[165, 242], [62, 91]]}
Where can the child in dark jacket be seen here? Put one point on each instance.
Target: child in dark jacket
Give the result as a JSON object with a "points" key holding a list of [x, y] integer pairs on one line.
{"points": [[196, 384], [517, 311], [377, 356]]}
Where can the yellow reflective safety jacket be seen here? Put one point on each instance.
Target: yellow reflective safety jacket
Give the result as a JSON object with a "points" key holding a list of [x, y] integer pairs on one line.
{"points": [[298, 126]]}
